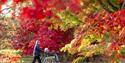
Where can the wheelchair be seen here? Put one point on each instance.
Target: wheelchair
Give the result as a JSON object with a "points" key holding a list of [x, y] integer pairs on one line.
{"points": [[50, 58]]}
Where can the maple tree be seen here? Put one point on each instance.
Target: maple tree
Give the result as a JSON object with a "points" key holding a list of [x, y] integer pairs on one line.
{"points": [[37, 23], [88, 27], [107, 29], [101, 32]]}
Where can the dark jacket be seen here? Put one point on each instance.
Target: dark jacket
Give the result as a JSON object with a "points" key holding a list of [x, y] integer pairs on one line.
{"points": [[37, 50]]}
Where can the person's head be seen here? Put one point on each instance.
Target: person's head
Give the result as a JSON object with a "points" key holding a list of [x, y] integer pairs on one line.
{"points": [[46, 50], [37, 42]]}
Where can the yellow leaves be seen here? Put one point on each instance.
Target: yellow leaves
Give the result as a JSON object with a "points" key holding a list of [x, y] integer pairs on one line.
{"points": [[77, 60], [88, 6], [93, 50], [5, 43], [69, 20], [64, 49], [89, 52], [69, 49], [72, 47], [9, 51], [56, 24], [84, 43], [9, 56]]}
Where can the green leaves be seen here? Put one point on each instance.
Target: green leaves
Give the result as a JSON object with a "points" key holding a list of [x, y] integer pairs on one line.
{"points": [[122, 51], [115, 4], [93, 37], [110, 5], [107, 36], [69, 20]]}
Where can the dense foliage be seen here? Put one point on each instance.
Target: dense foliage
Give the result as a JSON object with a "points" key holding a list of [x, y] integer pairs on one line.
{"points": [[10, 56], [37, 23], [83, 28], [102, 32]]}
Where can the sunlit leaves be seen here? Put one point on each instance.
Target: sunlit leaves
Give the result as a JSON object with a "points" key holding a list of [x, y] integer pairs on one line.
{"points": [[69, 20], [53, 22], [105, 29], [10, 56], [37, 19], [7, 32]]}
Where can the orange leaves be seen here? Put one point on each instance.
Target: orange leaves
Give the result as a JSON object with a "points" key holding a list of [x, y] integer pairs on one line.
{"points": [[122, 32], [112, 28], [118, 55], [0, 7], [16, 58], [78, 1]]}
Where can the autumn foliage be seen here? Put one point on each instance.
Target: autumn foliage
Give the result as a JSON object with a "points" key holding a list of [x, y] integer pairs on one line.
{"points": [[38, 21], [82, 28]]}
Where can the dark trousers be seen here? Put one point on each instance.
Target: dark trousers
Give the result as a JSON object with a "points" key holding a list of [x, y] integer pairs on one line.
{"points": [[36, 58]]}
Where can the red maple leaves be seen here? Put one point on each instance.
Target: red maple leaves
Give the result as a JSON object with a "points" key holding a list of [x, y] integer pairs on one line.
{"points": [[36, 20], [3, 1], [17, 1]]}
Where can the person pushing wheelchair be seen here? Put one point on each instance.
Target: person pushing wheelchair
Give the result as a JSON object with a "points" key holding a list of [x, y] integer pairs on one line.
{"points": [[37, 52]]}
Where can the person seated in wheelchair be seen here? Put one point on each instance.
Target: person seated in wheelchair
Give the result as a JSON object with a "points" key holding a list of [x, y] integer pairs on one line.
{"points": [[47, 53]]}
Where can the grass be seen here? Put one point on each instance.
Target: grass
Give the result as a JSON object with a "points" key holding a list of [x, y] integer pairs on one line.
{"points": [[27, 59]]}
